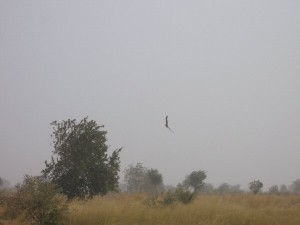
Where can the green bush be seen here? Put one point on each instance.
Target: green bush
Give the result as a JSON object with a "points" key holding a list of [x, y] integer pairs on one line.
{"points": [[169, 198], [181, 194], [184, 195], [152, 201], [40, 202]]}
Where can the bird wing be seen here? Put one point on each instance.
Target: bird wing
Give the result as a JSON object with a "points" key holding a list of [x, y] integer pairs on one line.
{"points": [[167, 125]]}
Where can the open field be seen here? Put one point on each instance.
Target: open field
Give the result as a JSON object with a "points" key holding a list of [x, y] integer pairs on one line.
{"points": [[241, 209]]}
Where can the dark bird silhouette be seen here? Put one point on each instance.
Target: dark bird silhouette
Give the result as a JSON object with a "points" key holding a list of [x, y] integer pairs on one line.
{"points": [[167, 125]]}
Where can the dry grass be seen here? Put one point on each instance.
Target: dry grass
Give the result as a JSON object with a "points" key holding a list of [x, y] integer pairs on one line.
{"points": [[207, 210], [242, 209]]}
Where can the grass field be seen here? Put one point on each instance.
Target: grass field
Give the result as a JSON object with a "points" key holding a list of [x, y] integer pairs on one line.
{"points": [[241, 209]]}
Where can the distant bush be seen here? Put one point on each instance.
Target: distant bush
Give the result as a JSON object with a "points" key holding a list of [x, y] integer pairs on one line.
{"points": [[295, 187], [225, 188], [274, 190], [169, 198], [184, 195], [179, 195], [283, 189], [40, 202], [152, 201]]}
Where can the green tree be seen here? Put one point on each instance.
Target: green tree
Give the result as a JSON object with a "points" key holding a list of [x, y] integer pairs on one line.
{"points": [[223, 188], [40, 201], [183, 194], [228, 189], [255, 186], [296, 186], [274, 189], [207, 188], [135, 177], [283, 189], [155, 178], [80, 164], [195, 180], [140, 179]]}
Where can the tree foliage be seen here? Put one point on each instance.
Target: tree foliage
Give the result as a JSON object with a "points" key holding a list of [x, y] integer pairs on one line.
{"points": [[135, 177], [255, 186], [80, 164], [155, 178], [207, 188], [195, 180], [283, 189], [296, 186], [229, 189], [184, 195], [140, 179], [274, 189]]}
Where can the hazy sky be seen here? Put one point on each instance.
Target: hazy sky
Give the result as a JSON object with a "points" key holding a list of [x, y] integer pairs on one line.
{"points": [[226, 72]]}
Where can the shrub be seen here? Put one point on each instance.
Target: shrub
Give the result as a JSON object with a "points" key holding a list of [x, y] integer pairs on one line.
{"points": [[40, 201], [274, 189], [169, 198], [152, 201], [184, 195]]}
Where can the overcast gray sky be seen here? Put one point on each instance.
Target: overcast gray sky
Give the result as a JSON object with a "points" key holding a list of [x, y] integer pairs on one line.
{"points": [[226, 72]]}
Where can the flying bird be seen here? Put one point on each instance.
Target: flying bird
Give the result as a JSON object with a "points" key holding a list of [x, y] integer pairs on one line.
{"points": [[167, 125]]}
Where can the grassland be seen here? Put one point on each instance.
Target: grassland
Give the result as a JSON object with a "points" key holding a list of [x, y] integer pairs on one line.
{"points": [[241, 209]]}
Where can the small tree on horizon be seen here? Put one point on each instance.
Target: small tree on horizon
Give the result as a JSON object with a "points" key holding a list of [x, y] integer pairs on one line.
{"points": [[207, 188], [274, 189], [195, 180], [283, 189], [155, 178], [135, 177], [140, 179], [255, 186], [226, 188], [295, 187]]}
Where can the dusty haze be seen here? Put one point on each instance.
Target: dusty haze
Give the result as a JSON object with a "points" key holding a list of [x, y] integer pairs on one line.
{"points": [[226, 73]]}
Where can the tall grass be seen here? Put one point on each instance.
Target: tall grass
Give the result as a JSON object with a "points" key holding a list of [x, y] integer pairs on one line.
{"points": [[239, 209]]}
